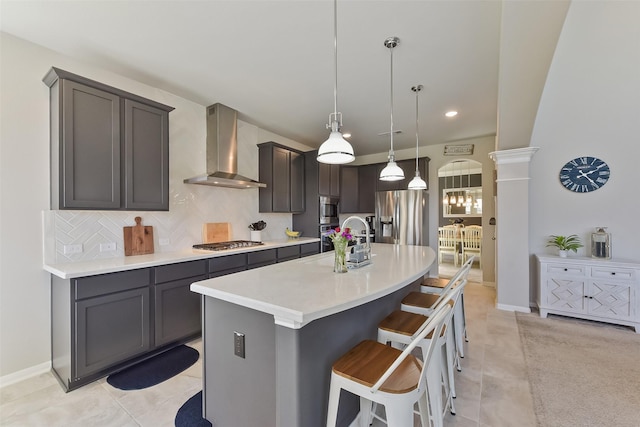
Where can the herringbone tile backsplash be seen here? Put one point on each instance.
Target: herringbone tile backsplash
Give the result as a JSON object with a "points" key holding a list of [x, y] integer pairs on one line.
{"points": [[181, 227]]}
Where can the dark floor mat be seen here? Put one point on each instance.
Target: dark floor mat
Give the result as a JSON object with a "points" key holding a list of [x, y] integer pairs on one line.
{"points": [[190, 414], [155, 370]]}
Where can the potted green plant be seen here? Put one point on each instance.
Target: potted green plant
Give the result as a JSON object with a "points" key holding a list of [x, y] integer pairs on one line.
{"points": [[565, 243]]}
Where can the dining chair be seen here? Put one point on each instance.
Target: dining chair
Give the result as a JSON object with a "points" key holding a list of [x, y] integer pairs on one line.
{"points": [[387, 376], [472, 242], [447, 243]]}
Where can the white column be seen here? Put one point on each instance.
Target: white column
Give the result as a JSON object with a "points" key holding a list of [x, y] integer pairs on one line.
{"points": [[512, 228]]}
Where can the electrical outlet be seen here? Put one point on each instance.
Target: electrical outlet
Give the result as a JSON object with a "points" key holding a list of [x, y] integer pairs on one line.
{"points": [[72, 249], [238, 344], [164, 242], [107, 247]]}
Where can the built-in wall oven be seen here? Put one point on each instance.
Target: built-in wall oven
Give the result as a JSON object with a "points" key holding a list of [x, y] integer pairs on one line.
{"points": [[326, 243], [329, 210]]}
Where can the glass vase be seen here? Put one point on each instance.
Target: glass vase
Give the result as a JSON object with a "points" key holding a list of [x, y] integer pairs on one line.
{"points": [[340, 262]]}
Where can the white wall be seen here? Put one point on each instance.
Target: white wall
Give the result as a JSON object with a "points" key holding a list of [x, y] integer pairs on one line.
{"points": [[24, 195], [590, 107]]}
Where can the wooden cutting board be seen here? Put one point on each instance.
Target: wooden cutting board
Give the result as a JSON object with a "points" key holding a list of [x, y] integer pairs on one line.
{"points": [[138, 240], [214, 232]]}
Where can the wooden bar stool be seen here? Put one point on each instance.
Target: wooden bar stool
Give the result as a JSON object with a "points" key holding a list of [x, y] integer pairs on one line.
{"points": [[400, 327], [435, 285], [384, 375]]}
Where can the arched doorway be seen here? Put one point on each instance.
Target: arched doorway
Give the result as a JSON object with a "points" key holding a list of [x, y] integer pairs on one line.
{"points": [[460, 205]]}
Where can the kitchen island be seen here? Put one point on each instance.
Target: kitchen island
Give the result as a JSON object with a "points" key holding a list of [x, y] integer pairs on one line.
{"points": [[289, 322]]}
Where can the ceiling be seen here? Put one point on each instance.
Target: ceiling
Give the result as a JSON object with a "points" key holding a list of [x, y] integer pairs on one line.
{"points": [[273, 61]]}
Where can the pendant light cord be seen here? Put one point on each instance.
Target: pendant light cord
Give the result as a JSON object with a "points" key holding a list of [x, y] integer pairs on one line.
{"points": [[417, 89], [391, 100], [335, 58]]}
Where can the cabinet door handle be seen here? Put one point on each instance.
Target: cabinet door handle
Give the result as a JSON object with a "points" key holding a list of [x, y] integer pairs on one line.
{"points": [[613, 273], [566, 269]]}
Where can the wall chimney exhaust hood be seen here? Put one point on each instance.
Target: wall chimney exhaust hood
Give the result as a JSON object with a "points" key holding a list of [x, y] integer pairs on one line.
{"points": [[222, 151]]}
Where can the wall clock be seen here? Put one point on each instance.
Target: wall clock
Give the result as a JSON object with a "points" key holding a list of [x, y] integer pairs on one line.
{"points": [[584, 174]]}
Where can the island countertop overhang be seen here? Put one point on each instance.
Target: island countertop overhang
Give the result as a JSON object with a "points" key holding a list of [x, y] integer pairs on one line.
{"points": [[302, 290]]}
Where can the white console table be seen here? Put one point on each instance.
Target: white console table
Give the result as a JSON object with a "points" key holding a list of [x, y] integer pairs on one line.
{"points": [[588, 288]]}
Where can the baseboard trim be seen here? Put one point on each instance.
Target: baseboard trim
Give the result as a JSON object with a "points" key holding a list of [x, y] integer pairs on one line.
{"points": [[25, 374], [507, 307]]}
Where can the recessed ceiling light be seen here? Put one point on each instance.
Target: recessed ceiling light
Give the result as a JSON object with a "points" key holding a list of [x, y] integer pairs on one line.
{"points": [[451, 113], [346, 135]]}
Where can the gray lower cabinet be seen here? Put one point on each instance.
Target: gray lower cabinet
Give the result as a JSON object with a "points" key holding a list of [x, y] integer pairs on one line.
{"points": [[110, 329], [261, 258], [104, 323], [287, 253], [99, 322], [308, 249], [109, 148], [228, 264], [177, 309]]}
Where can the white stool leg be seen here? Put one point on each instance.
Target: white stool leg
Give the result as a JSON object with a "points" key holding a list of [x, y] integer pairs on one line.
{"points": [[425, 413], [334, 400], [399, 414], [459, 326], [450, 347], [365, 412], [434, 389]]}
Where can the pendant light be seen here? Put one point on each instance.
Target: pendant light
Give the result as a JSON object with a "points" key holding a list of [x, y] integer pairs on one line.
{"points": [[460, 196], [417, 183], [392, 171], [469, 198], [335, 150], [445, 196]]}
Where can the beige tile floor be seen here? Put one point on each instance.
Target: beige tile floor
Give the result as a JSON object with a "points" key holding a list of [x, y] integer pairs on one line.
{"points": [[492, 388]]}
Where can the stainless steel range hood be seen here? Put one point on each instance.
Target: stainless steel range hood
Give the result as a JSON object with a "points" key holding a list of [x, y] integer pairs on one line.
{"points": [[222, 151]]}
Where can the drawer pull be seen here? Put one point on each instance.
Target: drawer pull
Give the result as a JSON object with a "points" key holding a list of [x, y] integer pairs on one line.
{"points": [[613, 273], [566, 269]]}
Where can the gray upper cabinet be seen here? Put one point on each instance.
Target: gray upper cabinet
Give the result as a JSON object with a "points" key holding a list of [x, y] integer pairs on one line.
{"points": [[367, 178], [109, 148], [146, 156], [349, 184], [282, 169], [328, 180]]}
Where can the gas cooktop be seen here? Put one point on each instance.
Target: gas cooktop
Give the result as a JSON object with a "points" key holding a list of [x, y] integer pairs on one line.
{"points": [[221, 246]]}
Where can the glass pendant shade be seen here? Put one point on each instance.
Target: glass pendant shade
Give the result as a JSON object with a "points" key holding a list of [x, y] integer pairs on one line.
{"points": [[335, 150], [391, 172], [417, 183]]}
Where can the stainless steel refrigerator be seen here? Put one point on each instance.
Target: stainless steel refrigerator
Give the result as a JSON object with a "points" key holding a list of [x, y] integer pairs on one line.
{"points": [[402, 217]]}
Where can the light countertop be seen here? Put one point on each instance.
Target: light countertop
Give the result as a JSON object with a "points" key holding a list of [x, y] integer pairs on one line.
{"points": [[299, 291], [110, 265]]}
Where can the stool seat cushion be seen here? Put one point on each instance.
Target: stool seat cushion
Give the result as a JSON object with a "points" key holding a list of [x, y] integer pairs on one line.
{"points": [[367, 362]]}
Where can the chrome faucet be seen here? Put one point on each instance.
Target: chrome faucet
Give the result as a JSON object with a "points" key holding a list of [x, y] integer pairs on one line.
{"points": [[367, 231]]}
